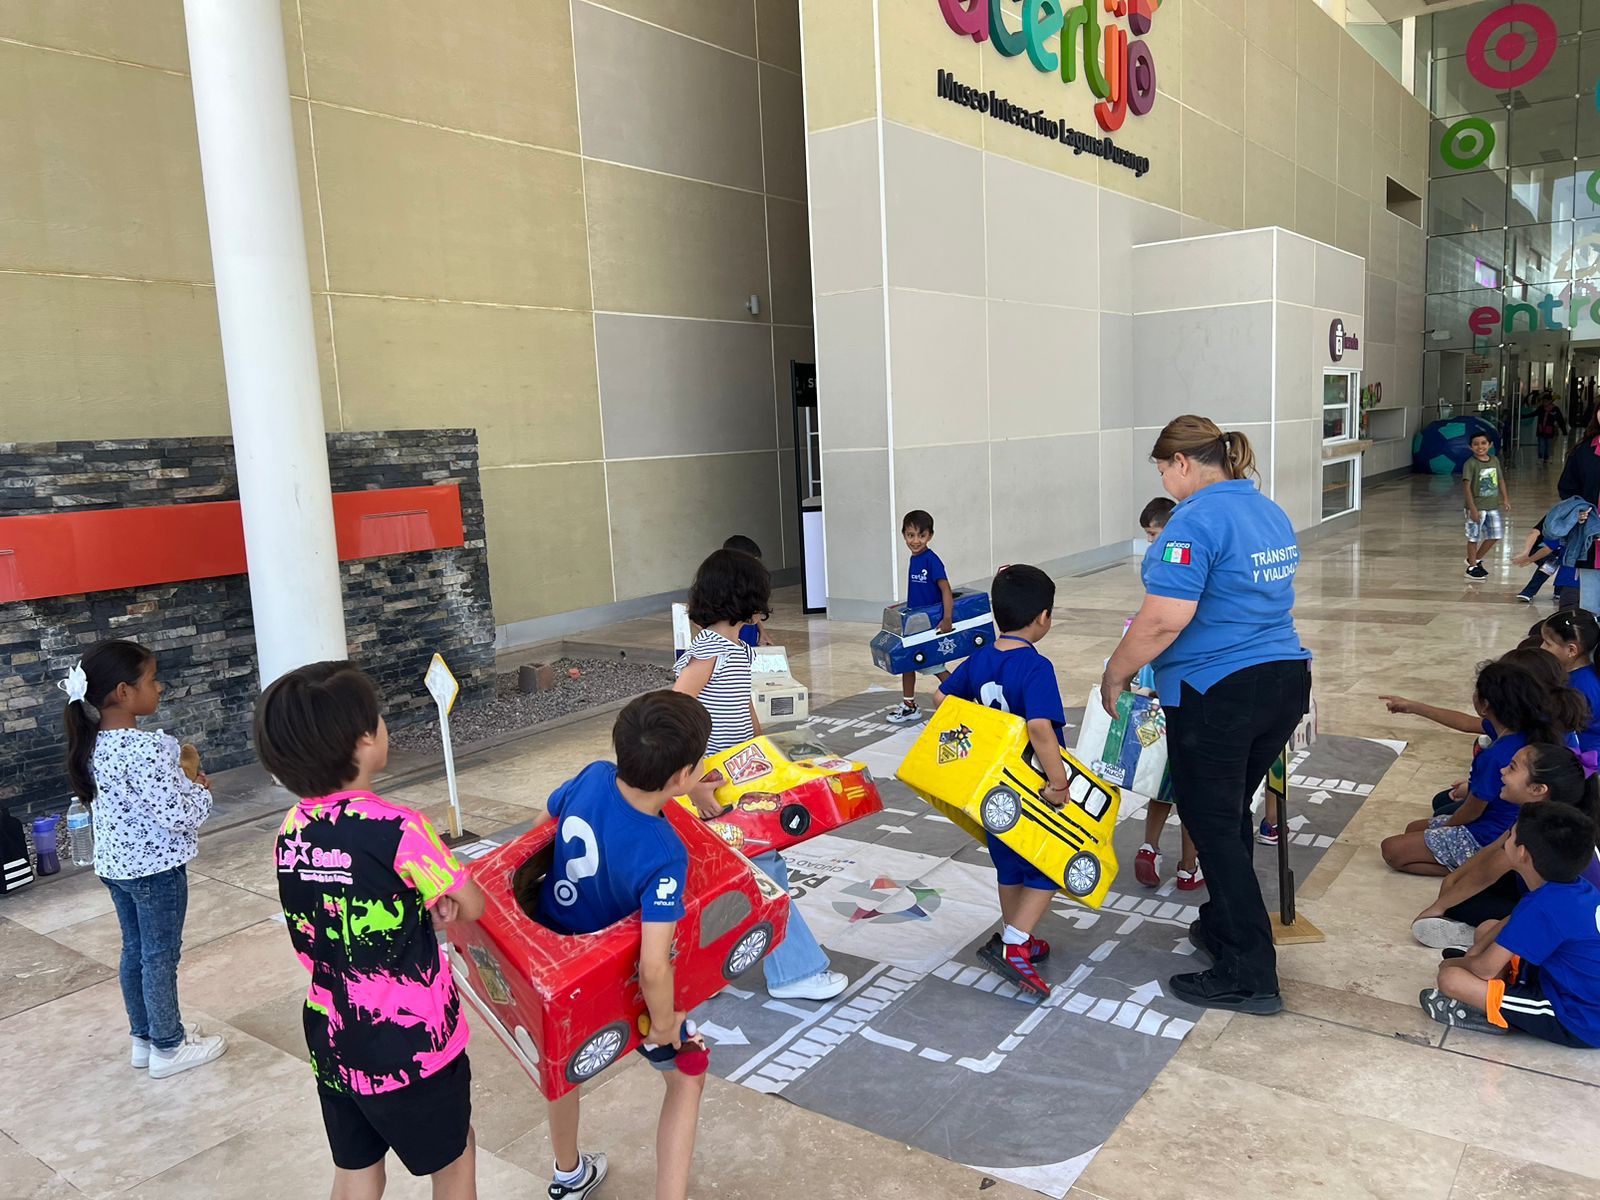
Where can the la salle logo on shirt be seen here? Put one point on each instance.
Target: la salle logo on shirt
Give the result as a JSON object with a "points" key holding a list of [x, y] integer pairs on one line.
{"points": [[1177, 552]]}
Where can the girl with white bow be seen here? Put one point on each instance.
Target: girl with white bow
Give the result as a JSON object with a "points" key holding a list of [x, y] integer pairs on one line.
{"points": [[148, 809]]}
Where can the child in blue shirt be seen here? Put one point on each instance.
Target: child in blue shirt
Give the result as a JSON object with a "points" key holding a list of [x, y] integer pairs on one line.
{"points": [[1521, 698], [1147, 863], [609, 820], [1014, 677], [1571, 636], [1538, 971], [926, 584]]}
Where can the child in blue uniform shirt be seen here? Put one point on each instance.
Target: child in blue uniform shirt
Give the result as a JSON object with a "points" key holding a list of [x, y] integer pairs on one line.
{"points": [[1014, 677], [609, 820], [1572, 636], [1541, 973], [926, 584]]}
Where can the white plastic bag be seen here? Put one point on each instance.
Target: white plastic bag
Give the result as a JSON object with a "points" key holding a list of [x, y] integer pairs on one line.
{"points": [[1130, 751]]}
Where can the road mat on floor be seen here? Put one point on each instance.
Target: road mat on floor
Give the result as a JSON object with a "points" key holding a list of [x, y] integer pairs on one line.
{"points": [[928, 1048]]}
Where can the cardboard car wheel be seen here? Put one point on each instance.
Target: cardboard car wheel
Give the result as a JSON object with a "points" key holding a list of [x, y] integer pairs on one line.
{"points": [[979, 640], [919, 658], [795, 819], [747, 951], [1082, 875], [1002, 808], [598, 1053]]}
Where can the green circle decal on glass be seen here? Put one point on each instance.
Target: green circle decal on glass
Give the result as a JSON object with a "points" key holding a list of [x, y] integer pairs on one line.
{"points": [[1467, 144], [1593, 187]]}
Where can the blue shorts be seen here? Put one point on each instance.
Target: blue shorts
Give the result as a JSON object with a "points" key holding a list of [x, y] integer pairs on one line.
{"points": [[1490, 528], [1011, 869]]}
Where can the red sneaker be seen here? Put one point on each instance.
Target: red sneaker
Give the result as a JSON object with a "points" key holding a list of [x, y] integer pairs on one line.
{"points": [[1014, 964], [1191, 881], [1147, 866], [1038, 949]]}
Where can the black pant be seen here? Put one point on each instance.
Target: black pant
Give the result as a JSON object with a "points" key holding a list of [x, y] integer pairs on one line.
{"points": [[1532, 587], [1221, 745], [1494, 903]]}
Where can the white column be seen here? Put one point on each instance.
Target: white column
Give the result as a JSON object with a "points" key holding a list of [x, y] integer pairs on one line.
{"points": [[258, 253]]}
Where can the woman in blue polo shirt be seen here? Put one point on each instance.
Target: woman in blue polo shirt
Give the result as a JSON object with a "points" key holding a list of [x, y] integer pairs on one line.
{"points": [[1234, 679]]}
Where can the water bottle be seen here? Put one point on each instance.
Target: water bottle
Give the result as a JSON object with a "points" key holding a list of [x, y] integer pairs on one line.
{"points": [[44, 845], [80, 833]]}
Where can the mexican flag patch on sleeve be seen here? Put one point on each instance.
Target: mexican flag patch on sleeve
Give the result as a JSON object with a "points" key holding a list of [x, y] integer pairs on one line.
{"points": [[1176, 552]]}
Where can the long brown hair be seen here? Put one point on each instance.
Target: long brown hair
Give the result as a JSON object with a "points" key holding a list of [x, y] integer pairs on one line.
{"points": [[108, 666], [1201, 440]]}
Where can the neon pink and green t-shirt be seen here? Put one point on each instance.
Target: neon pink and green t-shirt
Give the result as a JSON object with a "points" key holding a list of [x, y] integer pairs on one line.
{"points": [[357, 875]]}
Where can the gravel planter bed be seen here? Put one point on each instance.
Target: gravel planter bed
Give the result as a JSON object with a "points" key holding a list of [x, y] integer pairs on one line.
{"points": [[602, 681]]}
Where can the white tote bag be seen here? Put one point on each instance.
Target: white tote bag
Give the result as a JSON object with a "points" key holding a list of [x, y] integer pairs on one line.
{"points": [[1130, 750]]}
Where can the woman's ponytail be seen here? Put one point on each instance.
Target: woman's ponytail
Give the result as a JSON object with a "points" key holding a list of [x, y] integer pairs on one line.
{"points": [[99, 673], [1200, 439]]}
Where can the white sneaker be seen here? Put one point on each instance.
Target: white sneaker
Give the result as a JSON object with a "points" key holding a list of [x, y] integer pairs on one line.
{"points": [[141, 1046], [904, 715], [824, 985], [195, 1051], [594, 1174], [1442, 933]]}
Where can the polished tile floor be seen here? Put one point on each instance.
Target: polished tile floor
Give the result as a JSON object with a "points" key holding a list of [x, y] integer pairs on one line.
{"points": [[1349, 1093]]}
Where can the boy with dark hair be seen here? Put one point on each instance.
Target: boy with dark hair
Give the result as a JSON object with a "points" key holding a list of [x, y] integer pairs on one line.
{"points": [[386, 1079], [755, 633], [1538, 971], [1011, 675], [927, 583], [1147, 862], [609, 817], [1483, 480], [1153, 519]]}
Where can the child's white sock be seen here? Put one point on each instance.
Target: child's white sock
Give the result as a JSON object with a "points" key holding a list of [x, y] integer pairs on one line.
{"points": [[1012, 936], [570, 1178]]}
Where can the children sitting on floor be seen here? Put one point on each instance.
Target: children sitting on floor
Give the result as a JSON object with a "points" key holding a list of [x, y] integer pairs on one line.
{"points": [[1521, 698], [1538, 971], [1571, 637]]}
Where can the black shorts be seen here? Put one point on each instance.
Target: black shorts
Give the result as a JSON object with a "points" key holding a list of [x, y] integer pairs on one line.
{"points": [[426, 1124], [1526, 1008]]}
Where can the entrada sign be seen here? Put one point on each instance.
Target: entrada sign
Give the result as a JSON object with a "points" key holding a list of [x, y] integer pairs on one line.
{"points": [[1122, 72]]}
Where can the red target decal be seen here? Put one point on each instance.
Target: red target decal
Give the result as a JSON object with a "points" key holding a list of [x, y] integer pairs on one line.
{"points": [[1501, 54]]}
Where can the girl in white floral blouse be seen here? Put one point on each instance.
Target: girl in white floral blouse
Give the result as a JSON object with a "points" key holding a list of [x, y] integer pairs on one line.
{"points": [[147, 815]]}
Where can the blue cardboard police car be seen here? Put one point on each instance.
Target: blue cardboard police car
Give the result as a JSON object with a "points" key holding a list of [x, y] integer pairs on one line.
{"points": [[910, 639]]}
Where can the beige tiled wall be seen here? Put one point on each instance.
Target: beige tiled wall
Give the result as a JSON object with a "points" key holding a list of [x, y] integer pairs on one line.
{"points": [[539, 218], [1268, 114]]}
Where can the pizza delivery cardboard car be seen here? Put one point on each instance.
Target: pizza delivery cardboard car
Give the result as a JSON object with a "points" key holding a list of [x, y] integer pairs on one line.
{"points": [[977, 767], [773, 801], [567, 1007]]}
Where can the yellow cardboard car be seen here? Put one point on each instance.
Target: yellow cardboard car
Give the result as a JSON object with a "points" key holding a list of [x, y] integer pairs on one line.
{"points": [[773, 801], [976, 766]]}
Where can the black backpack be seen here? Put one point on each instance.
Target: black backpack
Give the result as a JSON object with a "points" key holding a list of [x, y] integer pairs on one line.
{"points": [[16, 870]]}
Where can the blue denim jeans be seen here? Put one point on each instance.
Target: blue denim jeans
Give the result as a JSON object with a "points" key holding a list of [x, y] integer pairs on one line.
{"points": [[798, 956], [1589, 589], [151, 911]]}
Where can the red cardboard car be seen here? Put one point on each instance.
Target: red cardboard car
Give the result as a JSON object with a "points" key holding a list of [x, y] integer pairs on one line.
{"points": [[569, 1007], [774, 800]]}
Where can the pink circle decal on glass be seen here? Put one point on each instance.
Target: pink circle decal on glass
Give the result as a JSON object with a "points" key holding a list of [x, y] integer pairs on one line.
{"points": [[1510, 44]]}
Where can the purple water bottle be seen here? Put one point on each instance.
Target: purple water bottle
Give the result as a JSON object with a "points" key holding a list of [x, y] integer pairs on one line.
{"points": [[44, 845]]}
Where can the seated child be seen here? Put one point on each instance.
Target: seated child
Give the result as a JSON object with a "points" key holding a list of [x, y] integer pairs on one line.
{"points": [[610, 816], [1522, 698], [1538, 971], [1147, 863], [387, 1080], [1010, 674], [1571, 637], [755, 633]]}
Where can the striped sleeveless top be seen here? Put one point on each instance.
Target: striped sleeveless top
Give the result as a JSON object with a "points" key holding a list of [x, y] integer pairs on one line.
{"points": [[727, 693]]}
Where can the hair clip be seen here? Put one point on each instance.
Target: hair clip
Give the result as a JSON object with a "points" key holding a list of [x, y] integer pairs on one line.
{"points": [[75, 685], [1590, 760]]}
